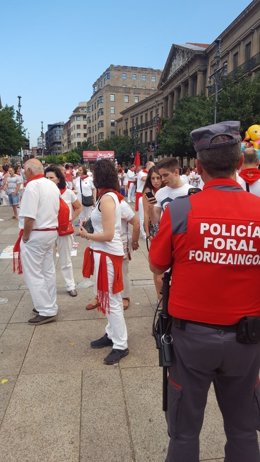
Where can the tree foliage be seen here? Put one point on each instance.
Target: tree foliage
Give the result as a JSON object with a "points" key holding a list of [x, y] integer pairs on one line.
{"points": [[11, 135], [122, 145], [240, 100], [174, 138]]}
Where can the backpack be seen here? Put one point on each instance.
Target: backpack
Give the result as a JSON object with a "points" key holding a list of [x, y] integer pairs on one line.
{"points": [[63, 217]]}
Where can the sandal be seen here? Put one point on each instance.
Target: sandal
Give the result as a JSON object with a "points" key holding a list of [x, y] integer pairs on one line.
{"points": [[126, 303], [93, 304]]}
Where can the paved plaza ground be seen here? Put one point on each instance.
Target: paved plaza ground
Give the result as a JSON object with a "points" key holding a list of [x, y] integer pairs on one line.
{"points": [[58, 401]]}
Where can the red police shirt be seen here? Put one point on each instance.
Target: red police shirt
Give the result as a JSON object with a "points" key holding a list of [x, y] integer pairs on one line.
{"points": [[212, 242]]}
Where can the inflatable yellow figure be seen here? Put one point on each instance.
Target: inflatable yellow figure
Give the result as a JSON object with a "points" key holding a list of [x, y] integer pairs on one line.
{"points": [[253, 136]]}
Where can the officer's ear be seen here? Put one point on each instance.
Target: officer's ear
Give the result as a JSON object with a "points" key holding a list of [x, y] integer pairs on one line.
{"points": [[199, 167]]}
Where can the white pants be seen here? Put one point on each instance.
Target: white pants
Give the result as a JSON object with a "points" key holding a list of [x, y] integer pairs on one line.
{"points": [[116, 327], [39, 270], [141, 216], [64, 246], [125, 267], [85, 213], [131, 193]]}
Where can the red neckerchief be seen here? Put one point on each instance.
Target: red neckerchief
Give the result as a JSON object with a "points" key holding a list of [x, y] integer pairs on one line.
{"points": [[35, 177], [145, 171], [82, 177], [16, 248], [62, 190], [250, 175], [102, 278], [103, 191]]}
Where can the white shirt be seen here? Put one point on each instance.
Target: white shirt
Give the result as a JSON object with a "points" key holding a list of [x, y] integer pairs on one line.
{"points": [[126, 215], [166, 195], [254, 188], [140, 181], [86, 184], [69, 197], [115, 247], [130, 175], [41, 202]]}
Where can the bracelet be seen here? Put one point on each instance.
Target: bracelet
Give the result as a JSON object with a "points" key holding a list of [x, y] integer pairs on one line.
{"points": [[135, 242]]}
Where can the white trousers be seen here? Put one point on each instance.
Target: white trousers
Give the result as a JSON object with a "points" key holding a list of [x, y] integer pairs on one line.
{"points": [[116, 326], [64, 246], [125, 267], [131, 193], [141, 217], [39, 270], [85, 213]]}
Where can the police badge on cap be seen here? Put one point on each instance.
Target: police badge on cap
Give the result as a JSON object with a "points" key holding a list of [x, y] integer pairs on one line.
{"points": [[203, 138]]}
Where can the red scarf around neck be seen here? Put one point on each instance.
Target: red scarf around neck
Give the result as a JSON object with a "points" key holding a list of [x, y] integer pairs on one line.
{"points": [[103, 191], [250, 175]]}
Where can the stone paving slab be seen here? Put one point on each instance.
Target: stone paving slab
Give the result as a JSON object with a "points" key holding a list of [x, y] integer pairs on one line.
{"points": [[7, 384], [42, 422], [144, 404], [14, 343], [104, 418], [8, 309]]}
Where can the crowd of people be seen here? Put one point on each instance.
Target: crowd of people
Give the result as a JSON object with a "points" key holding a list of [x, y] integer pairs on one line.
{"points": [[214, 301]]}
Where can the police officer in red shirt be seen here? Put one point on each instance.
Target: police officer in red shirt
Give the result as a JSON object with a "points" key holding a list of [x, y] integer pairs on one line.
{"points": [[211, 242]]}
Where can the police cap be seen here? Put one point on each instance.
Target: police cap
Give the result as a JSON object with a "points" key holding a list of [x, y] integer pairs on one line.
{"points": [[203, 138]]}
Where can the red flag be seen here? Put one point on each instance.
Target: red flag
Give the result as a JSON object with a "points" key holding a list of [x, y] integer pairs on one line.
{"points": [[137, 159]]}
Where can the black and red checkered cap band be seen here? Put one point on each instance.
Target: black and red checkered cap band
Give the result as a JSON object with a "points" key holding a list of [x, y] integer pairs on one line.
{"points": [[203, 137]]}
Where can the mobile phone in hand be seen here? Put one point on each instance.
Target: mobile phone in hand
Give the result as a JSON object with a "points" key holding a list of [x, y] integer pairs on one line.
{"points": [[149, 195]]}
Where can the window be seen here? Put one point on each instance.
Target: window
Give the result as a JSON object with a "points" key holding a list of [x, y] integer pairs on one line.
{"points": [[123, 76], [248, 51], [136, 99], [153, 78], [112, 110], [112, 123], [108, 75], [235, 60], [78, 127], [84, 127], [112, 97], [78, 118], [78, 135], [126, 99], [112, 133], [143, 77], [134, 76]]}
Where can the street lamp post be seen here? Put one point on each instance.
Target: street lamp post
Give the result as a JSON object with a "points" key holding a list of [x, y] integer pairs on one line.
{"points": [[216, 77], [42, 138]]}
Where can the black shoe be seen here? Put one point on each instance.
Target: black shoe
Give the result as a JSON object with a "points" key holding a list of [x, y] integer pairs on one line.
{"points": [[73, 293], [35, 311], [101, 342], [38, 320], [115, 356]]}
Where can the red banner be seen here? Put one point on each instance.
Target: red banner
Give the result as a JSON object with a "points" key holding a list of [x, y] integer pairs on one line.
{"points": [[90, 156]]}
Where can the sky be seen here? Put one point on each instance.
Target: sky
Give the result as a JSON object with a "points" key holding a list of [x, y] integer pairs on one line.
{"points": [[52, 51]]}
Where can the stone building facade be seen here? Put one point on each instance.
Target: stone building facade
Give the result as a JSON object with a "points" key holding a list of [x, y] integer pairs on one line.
{"points": [[75, 129], [192, 69], [118, 88]]}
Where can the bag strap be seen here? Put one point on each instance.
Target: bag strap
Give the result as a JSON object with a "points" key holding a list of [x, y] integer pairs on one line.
{"points": [[247, 187], [80, 186]]}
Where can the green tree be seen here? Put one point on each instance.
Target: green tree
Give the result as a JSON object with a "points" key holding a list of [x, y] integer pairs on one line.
{"points": [[240, 100], [122, 145], [11, 135], [174, 137], [73, 157]]}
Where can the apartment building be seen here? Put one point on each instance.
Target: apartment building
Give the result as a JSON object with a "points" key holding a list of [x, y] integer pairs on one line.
{"points": [[191, 69], [53, 138], [118, 88], [75, 129]]}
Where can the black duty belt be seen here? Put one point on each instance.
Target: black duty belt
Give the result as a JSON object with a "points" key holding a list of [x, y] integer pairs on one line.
{"points": [[181, 324]]}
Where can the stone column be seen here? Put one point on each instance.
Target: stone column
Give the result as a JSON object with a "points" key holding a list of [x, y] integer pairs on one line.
{"points": [[165, 107], [182, 91], [170, 105], [190, 86], [200, 83]]}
